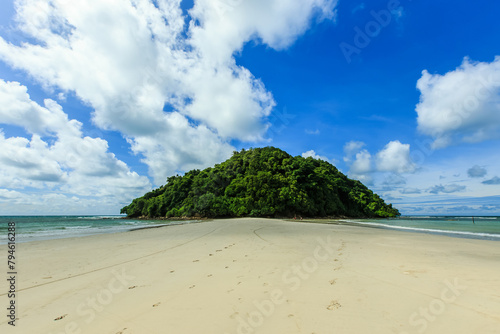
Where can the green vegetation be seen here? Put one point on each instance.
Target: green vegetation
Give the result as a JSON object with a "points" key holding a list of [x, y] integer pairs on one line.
{"points": [[262, 182]]}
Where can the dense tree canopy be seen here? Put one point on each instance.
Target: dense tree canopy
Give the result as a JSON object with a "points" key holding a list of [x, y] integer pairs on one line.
{"points": [[262, 182]]}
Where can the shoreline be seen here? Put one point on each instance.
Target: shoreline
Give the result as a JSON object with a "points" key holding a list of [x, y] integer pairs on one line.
{"points": [[257, 276], [355, 222], [165, 225], [445, 233]]}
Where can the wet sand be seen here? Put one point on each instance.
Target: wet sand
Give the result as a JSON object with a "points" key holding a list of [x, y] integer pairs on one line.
{"points": [[256, 276]]}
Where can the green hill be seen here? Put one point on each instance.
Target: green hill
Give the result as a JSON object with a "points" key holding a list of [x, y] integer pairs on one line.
{"points": [[262, 182]]}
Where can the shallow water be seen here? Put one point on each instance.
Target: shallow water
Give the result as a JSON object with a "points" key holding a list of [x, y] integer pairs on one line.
{"points": [[33, 228], [457, 226]]}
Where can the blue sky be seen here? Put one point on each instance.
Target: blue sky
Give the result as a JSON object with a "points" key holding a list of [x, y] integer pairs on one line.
{"points": [[102, 100]]}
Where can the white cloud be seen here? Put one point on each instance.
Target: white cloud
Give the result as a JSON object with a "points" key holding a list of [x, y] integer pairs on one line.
{"points": [[361, 167], [461, 106], [395, 157], [276, 23], [178, 100], [351, 148], [313, 155], [58, 157], [10, 194], [18, 109], [363, 163]]}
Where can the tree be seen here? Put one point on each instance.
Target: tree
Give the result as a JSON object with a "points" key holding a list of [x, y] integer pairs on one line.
{"points": [[262, 182]]}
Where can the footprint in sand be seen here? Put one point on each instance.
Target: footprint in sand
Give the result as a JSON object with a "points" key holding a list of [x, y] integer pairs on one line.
{"points": [[334, 305], [196, 260], [132, 287], [333, 281], [172, 271], [157, 304], [121, 332], [218, 250], [209, 275], [61, 317], [192, 286], [210, 255]]}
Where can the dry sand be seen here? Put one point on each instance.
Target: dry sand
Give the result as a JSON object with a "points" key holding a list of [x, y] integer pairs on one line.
{"points": [[257, 276]]}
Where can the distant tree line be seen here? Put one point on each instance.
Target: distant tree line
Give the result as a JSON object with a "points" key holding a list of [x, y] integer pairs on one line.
{"points": [[262, 182]]}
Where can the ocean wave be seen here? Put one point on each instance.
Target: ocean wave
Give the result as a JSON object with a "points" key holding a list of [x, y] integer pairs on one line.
{"points": [[480, 235], [99, 217], [77, 227]]}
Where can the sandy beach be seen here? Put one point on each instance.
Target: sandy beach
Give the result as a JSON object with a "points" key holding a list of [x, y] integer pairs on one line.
{"points": [[256, 276]]}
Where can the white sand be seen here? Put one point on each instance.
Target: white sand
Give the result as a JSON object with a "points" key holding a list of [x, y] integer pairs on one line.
{"points": [[257, 276]]}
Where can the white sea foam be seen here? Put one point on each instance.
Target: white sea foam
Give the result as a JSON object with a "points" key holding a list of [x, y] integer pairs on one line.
{"points": [[478, 235]]}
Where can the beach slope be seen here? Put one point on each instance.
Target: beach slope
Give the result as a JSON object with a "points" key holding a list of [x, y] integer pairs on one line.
{"points": [[256, 276]]}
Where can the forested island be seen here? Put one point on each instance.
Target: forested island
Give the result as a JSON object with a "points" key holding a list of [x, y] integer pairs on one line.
{"points": [[262, 182]]}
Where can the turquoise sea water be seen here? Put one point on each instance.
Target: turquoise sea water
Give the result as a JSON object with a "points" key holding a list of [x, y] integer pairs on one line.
{"points": [[457, 226], [33, 228]]}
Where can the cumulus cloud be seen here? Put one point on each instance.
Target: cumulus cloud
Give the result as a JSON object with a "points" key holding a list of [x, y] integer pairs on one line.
{"points": [[477, 171], [10, 194], [361, 167], [494, 181], [313, 154], [395, 157], [169, 83], [462, 105], [363, 163], [351, 148], [447, 189], [57, 156], [276, 23]]}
